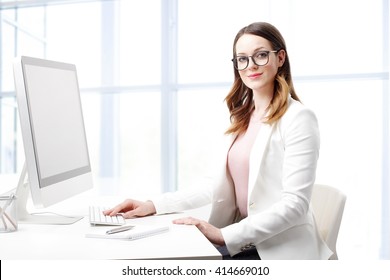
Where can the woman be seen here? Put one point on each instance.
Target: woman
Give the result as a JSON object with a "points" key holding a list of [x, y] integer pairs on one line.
{"points": [[262, 197]]}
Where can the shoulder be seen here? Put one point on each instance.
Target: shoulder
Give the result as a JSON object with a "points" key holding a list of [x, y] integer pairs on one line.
{"points": [[297, 110], [298, 118]]}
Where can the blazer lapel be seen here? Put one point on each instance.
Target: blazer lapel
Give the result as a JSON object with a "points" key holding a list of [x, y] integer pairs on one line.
{"points": [[257, 153]]}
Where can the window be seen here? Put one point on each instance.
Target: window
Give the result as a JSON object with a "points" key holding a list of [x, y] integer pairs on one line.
{"points": [[119, 79]]}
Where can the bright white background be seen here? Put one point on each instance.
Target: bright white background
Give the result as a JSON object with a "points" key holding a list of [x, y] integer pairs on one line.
{"points": [[339, 51]]}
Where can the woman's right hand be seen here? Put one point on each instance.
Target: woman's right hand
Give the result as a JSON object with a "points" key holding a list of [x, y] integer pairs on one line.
{"points": [[131, 208]]}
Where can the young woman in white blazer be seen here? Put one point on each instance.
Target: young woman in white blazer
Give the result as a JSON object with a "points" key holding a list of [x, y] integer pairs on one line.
{"points": [[261, 196]]}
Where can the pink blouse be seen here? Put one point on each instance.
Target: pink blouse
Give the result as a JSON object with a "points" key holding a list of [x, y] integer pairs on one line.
{"points": [[238, 163]]}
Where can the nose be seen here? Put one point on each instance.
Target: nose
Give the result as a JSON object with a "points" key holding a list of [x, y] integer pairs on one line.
{"points": [[252, 64]]}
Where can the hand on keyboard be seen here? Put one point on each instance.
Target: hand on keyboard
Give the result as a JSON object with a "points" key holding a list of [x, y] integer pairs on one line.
{"points": [[96, 217]]}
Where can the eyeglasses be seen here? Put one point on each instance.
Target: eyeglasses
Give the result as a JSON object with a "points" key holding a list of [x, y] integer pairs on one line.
{"points": [[259, 58]]}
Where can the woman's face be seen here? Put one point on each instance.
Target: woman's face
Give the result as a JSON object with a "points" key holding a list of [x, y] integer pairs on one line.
{"points": [[259, 78]]}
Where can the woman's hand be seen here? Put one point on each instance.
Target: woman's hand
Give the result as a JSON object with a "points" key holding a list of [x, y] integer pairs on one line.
{"points": [[212, 233], [131, 208]]}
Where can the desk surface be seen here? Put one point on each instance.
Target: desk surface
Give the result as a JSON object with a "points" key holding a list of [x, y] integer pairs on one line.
{"points": [[69, 241]]}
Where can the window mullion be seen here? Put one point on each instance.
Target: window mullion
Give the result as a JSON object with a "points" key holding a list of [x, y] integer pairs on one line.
{"points": [[385, 196], [109, 134], [169, 159]]}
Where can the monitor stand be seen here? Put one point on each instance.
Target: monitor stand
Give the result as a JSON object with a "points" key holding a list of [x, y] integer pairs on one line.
{"points": [[24, 217]]}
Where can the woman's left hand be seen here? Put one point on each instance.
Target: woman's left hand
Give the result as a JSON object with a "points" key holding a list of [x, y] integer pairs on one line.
{"points": [[212, 233]]}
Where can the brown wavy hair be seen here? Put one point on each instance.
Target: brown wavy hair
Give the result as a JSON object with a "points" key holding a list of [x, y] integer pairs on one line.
{"points": [[240, 98]]}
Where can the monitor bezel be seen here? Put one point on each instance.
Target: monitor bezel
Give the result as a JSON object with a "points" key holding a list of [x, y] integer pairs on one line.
{"points": [[63, 187]]}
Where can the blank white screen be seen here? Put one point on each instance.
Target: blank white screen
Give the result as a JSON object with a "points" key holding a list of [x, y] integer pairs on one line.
{"points": [[56, 119]]}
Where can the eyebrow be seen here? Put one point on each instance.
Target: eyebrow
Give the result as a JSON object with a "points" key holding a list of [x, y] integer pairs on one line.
{"points": [[256, 50]]}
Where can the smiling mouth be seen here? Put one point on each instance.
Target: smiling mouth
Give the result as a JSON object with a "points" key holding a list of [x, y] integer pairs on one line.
{"points": [[255, 75]]}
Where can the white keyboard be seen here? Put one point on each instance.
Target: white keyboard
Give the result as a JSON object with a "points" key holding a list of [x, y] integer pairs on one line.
{"points": [[97, 218]]}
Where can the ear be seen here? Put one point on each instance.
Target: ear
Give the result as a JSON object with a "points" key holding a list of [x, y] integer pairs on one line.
{"points": [[281, 57]]}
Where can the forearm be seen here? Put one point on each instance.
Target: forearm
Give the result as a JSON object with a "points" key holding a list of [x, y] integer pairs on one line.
{"points": [[181, 200]]}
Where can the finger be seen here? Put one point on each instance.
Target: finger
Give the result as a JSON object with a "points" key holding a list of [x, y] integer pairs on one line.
{"points": [[201, 226], [132, 214], [119, 208], [113, 212], [180, 221], [110, 212], [186, 221]]}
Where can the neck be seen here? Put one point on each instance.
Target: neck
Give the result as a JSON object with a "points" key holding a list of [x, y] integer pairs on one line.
{"points": [[262, 100]]}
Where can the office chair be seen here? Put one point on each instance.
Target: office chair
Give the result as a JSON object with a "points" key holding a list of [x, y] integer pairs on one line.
{"points": [[328, 207]]}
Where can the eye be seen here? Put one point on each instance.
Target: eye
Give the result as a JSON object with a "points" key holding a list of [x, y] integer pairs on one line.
{"points": [[242, 59], [261, 55]]}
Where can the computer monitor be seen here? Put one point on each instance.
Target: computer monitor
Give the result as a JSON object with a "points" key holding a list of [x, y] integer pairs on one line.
{"points": [[55, 145]]}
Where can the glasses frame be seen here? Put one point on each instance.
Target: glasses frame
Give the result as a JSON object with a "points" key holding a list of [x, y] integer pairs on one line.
{"points": [[235, 64]]}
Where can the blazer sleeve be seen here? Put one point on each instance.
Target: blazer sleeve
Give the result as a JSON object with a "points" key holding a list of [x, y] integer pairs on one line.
{"points": [[200, 192], [182, 200], [298, 130]]}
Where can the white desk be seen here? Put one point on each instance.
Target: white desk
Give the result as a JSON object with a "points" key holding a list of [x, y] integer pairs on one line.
{"points": [[69, 241]]}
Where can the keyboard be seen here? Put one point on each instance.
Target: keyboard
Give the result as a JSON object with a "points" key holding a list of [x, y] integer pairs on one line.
{"points": [[96, 217]]}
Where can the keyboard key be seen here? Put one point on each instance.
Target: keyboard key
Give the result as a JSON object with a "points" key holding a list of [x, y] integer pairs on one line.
{"points": [[96, 217]]}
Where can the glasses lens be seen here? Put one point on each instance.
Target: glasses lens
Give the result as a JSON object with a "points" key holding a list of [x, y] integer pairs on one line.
{"points": [[261, 58], [241, 62]]}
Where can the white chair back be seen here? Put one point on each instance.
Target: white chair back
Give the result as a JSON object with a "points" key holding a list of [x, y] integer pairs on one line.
{"points": [[328, 207]]}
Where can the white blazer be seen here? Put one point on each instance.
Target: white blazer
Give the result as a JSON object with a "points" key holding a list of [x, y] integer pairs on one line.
{"points": [[282, 170]]}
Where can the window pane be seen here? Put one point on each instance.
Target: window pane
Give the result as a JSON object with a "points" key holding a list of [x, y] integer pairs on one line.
{"points": [[140, 42], [331, 37], [32, 20], [7, 57], [206, 42], [30, 32], [91, 105], [350, 120], [139, 142], [317, 45], [136, 141], [77, 40], [29, 46], [202, 120], [8, 134]]}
